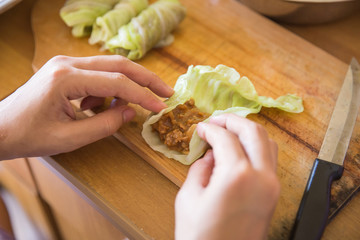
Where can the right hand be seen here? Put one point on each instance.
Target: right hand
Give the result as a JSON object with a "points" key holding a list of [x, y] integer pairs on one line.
{"points": [[232, 191]]}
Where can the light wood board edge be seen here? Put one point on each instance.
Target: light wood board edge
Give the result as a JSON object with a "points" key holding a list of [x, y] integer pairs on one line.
{"points": [[120, 221]]}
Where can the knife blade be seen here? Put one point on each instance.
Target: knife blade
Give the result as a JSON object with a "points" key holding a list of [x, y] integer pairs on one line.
{"points": [[313, 211]]}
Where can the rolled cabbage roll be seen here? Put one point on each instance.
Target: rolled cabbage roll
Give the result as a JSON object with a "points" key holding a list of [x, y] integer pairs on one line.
{"points": [[108, 25], [215, 91], [151, 27], [81, 14]]}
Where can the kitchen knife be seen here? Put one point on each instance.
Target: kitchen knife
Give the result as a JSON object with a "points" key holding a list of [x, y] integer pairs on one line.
{"points": [[313, 211]]}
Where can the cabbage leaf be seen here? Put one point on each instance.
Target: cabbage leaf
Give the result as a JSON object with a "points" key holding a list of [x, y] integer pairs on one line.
{"points": [[151, 27], [81, 14], [216, 91], [107, 26]]}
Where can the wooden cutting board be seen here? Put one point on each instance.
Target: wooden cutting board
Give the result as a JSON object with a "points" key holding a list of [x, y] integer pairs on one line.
{"points": [[277, 62]]}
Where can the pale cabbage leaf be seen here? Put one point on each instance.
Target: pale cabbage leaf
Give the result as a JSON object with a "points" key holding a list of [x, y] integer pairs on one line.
{"points": [[81, 14], [215, 91], [107, 26], [151, 27]]}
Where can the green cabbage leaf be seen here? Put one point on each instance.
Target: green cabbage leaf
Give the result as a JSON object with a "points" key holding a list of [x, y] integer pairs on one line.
{"points": [[81, 14], [107, 26], [216, 91], [151, 27]]}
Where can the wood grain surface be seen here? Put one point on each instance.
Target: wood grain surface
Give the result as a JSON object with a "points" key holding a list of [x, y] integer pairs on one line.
{"points": [[276, 60]]}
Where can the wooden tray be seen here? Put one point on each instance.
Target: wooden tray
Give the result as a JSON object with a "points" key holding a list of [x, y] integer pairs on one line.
{"points": [[277, 61]]}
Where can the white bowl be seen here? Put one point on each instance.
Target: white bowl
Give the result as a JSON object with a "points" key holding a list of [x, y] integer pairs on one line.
{"points": [[7, 4], [304, 11]]}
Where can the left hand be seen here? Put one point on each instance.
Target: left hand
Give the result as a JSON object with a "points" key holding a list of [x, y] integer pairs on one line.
{"points": [[38, 119]]}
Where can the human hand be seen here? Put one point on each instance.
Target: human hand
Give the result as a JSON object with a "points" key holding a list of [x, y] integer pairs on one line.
{"points": [[232, 191], [38, 119]]}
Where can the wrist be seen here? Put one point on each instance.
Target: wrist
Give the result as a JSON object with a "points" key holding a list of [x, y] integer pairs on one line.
{"points": [[6, 147], [248, 227]]}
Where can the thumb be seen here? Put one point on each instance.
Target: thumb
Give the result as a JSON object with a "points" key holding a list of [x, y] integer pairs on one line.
{"points": [[85, 131], [200, 172]]}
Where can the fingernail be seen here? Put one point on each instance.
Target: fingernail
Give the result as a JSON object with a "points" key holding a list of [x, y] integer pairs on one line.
{"points": [[163, 105], [128, 114], [208, 156], [170, 90], [200, 128], [158, 106], [216, 117]]}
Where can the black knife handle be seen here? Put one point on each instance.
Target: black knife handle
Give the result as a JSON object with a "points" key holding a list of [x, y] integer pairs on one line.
{"points": [[313, 211]]}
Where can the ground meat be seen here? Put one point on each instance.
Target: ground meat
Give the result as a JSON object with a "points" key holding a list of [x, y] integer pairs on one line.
{"points": [[176, 127]]}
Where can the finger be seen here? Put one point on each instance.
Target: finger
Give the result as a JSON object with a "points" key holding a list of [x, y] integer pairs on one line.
{"points": [[97, 127], [118, 102], [136, 72], [226, 146], [253, 138], [83, 83], [200, 172], [91, 102]]}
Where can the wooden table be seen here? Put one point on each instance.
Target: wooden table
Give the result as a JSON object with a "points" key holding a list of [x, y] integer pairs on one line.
{"points": [[141, 203]]}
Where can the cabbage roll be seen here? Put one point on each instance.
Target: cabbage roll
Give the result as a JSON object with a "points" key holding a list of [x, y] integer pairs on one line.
{"points": [[151, 27], [215, 91], [108, 25], [81, 14]]}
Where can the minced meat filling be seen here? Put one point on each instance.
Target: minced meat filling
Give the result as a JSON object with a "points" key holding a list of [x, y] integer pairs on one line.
{"points": [[176, 127]]}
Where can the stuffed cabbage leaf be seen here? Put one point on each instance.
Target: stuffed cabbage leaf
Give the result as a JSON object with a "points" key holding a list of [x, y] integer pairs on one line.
{"points": [[108, 25], [151, 27], [81, 14], [226, 92]]}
